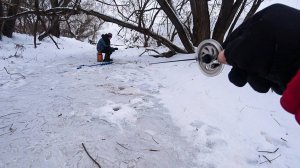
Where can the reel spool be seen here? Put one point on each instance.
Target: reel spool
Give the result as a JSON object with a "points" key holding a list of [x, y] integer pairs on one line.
{"points": [[207, 54]]}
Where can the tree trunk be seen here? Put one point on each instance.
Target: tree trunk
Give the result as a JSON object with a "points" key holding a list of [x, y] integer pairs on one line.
{"points": [[201, 21], [237, 17], [228, 11], [55, 30], [9, 26], [1, 15], [182, 32], [36, 6], [255, 5], [225, 11]]}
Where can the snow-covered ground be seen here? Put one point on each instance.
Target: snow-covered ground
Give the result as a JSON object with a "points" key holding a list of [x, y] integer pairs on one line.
{"points": [[131, 113]]}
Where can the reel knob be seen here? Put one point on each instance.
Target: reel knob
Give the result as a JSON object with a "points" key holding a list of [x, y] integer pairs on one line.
{"points": [[207, 54]]}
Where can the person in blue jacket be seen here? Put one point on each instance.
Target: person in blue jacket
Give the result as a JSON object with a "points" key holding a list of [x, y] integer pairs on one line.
{"points": [[103, 46]]}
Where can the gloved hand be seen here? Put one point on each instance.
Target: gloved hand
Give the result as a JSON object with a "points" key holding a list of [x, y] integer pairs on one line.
{"points": [[116, 48], [240, 77], [264, 50]]}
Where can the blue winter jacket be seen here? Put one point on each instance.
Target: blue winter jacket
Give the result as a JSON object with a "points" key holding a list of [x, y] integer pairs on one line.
{"points": [[103, 44]]}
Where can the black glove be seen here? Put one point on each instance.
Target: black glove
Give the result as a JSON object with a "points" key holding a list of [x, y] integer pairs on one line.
{"points": [[240, 77], [116, 48], [264, 51]]}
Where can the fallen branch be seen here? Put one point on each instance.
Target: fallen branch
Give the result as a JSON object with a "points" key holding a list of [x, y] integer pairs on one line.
{"points": [[269, 151], [47, 32], [275, 120], [153, 150], [270, 161], [91, 156], [154, 140], [147, 50], [267, 159], [283, 139], [122, 146]]}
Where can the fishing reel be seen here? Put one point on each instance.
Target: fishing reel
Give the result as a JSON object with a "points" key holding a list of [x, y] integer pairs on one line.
{"points": [[207, 57]]}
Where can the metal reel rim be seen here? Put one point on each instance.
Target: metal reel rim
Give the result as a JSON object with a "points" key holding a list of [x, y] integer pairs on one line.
{"points": [[206, 68]]}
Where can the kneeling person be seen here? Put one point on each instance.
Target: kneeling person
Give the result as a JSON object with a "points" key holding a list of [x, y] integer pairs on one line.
{"points": [[103, 46]]}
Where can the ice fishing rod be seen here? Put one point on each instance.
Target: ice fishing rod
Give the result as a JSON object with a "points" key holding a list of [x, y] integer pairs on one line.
{"points": [[174, 61], [207, 58]]}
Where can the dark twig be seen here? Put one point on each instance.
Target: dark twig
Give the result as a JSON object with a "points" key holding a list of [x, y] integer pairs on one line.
{"points": [[147, 50], [275, 120], [269, 151], [153, 150], [109, 4], [283, 139], [270, 161], [91, 156], [267, 159], [123, 146], [154, 140], [54, 41], [11, 129]]}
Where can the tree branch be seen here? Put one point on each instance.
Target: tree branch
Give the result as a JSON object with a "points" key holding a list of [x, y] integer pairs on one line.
{"points": [[90, 156], [72, 11], [148, 32], [182, 32]]}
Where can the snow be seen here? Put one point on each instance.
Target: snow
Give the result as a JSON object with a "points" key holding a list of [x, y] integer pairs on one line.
{"points": [[131, 113], [291, 3]]}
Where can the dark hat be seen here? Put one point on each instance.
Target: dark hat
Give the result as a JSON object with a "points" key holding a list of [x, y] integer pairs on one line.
{"points": [[109, 34]]}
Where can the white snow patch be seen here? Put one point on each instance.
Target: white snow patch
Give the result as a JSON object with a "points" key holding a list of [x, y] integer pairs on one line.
{"points": [[131, 113]]}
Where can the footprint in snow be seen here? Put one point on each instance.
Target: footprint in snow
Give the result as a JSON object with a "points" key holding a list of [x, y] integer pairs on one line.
{"points": [[215, 143], [274, 141], [208, 138], [207, 129], [210, 130]]}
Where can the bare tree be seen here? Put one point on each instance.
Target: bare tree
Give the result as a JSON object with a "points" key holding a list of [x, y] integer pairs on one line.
{"points": [[9, 26], [1, 15], [80, 26], [201, 21], [54, 20], [142, 12], [254, 7], [181, 29], [189, 21]]}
